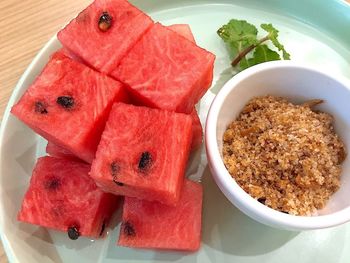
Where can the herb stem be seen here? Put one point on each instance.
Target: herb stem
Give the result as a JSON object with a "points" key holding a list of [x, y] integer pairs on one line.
{"points": [[245, 51]]}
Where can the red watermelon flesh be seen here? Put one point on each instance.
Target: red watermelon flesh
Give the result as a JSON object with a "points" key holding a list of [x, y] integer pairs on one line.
{"points": [[197, 138], [153, 225], [71, 55], [197, 131], [174, 73], [59, 152], [62, 196], [123, 25], [68, 104], [183, 30], [143, 153]]}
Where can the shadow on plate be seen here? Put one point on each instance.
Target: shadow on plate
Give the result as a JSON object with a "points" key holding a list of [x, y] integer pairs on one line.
{"points": [[194, 162], [224, 76], [18, 149], [27, 160], [227, 229], [39, 241]]}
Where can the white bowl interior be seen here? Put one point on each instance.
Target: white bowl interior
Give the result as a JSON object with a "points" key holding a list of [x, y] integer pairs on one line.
{"points": [[297, 84]]}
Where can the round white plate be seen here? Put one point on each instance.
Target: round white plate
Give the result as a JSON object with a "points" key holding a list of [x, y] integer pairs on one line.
{"points": [[314, 32]]}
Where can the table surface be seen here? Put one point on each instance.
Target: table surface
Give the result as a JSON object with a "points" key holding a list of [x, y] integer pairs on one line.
{"points": [[26, 25]]}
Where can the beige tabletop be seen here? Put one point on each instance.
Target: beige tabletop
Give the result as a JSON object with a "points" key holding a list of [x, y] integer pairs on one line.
{"points": [[25, 26]]}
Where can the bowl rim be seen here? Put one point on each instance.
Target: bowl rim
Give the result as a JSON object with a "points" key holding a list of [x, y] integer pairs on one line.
{"points": [[229, 186]]}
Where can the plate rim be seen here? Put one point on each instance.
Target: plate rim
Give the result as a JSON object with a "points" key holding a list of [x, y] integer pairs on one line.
{"points": [[8, 248]]}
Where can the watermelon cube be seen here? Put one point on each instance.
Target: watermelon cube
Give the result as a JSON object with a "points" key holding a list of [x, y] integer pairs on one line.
{"points": [[71, 55], [143, 153], [68, 104], [183, 30], [59, 152], [197, 131], [166, 71], [62, 196], [104, 32], [153, 225]]}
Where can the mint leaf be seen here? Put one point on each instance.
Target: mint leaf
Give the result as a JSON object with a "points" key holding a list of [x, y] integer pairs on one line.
{"points": [[245, 63], [273, 35], [262, 53], [241, 40], [238, 35]]}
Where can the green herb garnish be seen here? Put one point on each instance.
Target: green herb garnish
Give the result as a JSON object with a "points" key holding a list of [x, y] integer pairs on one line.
{"points": [[244, 46]]}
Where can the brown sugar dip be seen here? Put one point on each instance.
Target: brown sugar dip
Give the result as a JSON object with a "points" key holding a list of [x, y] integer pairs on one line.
{"points": [[286, 156]]}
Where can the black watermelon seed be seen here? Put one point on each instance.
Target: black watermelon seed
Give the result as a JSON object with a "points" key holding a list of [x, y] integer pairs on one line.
{"points": [[103, 227], [105, 22], [116, 182], [128, 229], [66, 102], [40, 107], [114, 171], [262, 200], [145, 161], [73, 233], [114, 168], [53, 183]]}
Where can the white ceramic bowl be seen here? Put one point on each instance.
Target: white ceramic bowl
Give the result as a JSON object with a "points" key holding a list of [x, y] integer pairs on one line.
{"points": [[297, 83]]}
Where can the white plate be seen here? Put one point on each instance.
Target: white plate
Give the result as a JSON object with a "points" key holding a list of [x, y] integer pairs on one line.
{"points": [[228, 235]]}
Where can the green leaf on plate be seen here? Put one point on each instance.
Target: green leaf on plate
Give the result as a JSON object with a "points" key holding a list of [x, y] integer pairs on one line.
{"points": [[245, 48], [262, 53], [273, 36], [238, 35]]}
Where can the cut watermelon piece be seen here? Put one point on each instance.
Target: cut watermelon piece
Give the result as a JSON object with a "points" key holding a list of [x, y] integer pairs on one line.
{"points": [[197, 131], [153, 225], [68, 104], [143, 153], [104, 32], [70, 54], [183, 30], [174, 73], [62, 196], [59, 152]]}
